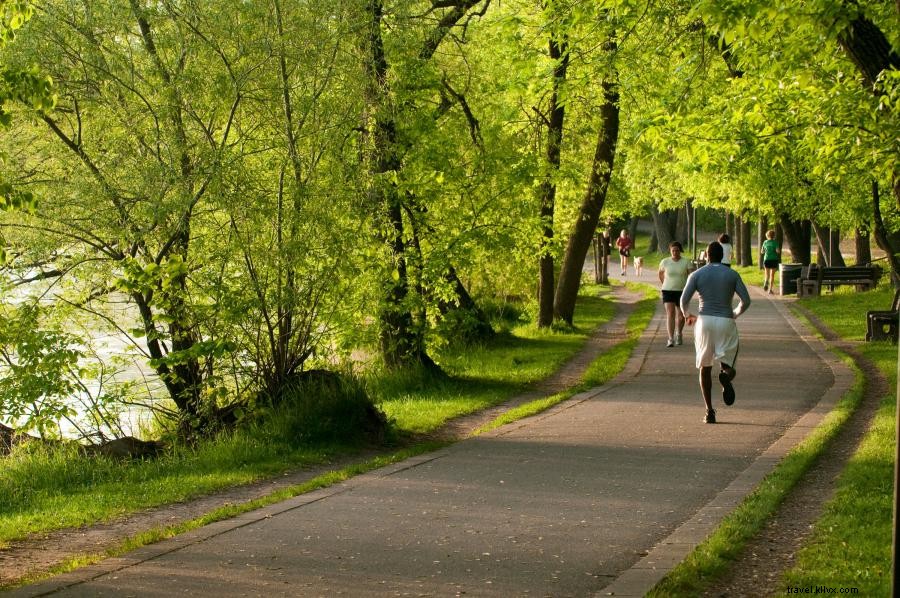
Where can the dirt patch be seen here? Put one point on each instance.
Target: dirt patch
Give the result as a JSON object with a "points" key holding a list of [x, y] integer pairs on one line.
{"points": [[758, 569], [37, 555]]}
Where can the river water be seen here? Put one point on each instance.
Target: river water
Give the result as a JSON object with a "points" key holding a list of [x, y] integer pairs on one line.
{"points": [[111, 363]]}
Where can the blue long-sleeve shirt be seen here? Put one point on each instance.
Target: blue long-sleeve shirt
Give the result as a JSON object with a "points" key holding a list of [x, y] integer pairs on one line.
{"points": [[717, 285]]}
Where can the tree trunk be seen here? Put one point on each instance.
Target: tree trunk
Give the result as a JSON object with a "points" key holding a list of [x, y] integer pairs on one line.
{"points": [[664, 224], [736, 240], [560, 55], [863, 247], [867, 46], [605, 250], [821, 259], [746, 254], [632, 227], [730, 226], [185, 375], [401, 342], [882, 238], [481, 330], [796, 233], [654, 242], [589, 213], [681, 226], [828, 242], [872, 53]]}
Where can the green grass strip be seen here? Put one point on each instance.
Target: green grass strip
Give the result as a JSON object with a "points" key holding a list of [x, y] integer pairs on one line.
{"points": [[850, 547], [601, 370], [851, 543], [230, 511]]}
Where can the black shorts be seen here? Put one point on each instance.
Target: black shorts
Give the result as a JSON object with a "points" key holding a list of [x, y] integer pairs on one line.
{"points": [[624, 252], [671, 296], [771, 264]]}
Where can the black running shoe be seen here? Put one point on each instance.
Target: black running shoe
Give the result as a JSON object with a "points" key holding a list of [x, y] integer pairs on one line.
{"points": [[710, 416], [727, 388]]}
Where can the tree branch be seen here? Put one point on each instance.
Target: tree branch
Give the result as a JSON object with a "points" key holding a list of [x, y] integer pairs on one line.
{"points": [[474, 126], [445, 24]]}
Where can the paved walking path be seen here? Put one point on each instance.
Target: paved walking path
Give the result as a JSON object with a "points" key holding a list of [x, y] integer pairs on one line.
{"points": [[597, 496]]}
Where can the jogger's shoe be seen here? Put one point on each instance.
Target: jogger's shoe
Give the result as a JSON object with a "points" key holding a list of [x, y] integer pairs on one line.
{"points": [[710, 417], [727, 388], [670, 343], [677, 339]]}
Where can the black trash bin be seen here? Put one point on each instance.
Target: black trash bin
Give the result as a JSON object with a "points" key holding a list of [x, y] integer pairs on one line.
{"points": [[789, 273]]}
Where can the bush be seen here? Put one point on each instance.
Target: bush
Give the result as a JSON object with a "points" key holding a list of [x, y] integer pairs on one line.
{"points": [[461, 327], [319, 407]]}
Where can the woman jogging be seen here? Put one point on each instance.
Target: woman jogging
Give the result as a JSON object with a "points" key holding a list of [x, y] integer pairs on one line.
{"points": [[625, 244], [771, 254], [673, 273]]}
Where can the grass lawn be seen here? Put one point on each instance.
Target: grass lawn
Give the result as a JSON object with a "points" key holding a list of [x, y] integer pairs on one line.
{"points": [[489, 374], [851, 543]]}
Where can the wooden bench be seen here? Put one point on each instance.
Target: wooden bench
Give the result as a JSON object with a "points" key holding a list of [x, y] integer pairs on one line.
{"points": [[884, 325], [814, 277]]}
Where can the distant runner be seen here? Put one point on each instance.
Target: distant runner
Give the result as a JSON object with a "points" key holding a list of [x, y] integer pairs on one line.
{"points": [[673, 273], [624, 243], [771, 255]]}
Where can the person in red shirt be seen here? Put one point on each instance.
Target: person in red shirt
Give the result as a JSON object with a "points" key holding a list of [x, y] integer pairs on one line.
{"points": [[625, 245]]}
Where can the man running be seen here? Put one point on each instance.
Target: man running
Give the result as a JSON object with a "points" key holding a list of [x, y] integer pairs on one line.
{"points": [[716, 335]]}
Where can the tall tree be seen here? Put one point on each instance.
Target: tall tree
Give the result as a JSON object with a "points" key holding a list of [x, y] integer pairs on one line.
{"points": [[402, 339], [594, 198], [554, 122]]}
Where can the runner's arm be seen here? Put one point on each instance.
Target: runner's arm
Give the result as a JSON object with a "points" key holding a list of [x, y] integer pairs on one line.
{"points": [[686, 296], [741, 290]]}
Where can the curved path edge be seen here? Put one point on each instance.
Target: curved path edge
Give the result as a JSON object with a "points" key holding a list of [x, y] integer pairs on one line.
{"points": [[641, 577]]}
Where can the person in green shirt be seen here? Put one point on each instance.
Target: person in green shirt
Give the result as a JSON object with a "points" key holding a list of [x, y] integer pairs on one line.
{"points": [[771, 256]]}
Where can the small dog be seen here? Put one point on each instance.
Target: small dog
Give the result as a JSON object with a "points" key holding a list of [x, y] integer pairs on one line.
{"points": [[638, 265]]}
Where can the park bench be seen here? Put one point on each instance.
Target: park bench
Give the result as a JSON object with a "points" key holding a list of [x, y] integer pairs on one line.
{"points": [[813, 278], [883, 325]]}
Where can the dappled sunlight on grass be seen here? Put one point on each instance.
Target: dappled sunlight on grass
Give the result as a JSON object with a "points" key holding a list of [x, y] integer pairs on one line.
{"points": [[845, 310], [851, 543], [480, 376]]}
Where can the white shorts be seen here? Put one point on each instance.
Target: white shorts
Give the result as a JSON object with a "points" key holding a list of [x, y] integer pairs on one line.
{"points": [[715, 338]]}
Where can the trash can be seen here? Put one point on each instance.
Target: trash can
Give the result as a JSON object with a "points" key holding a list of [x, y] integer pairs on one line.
{"points": [[789, 273]]}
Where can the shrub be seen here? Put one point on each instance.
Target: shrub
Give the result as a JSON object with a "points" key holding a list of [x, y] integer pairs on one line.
{"points": [[318, 406]]}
